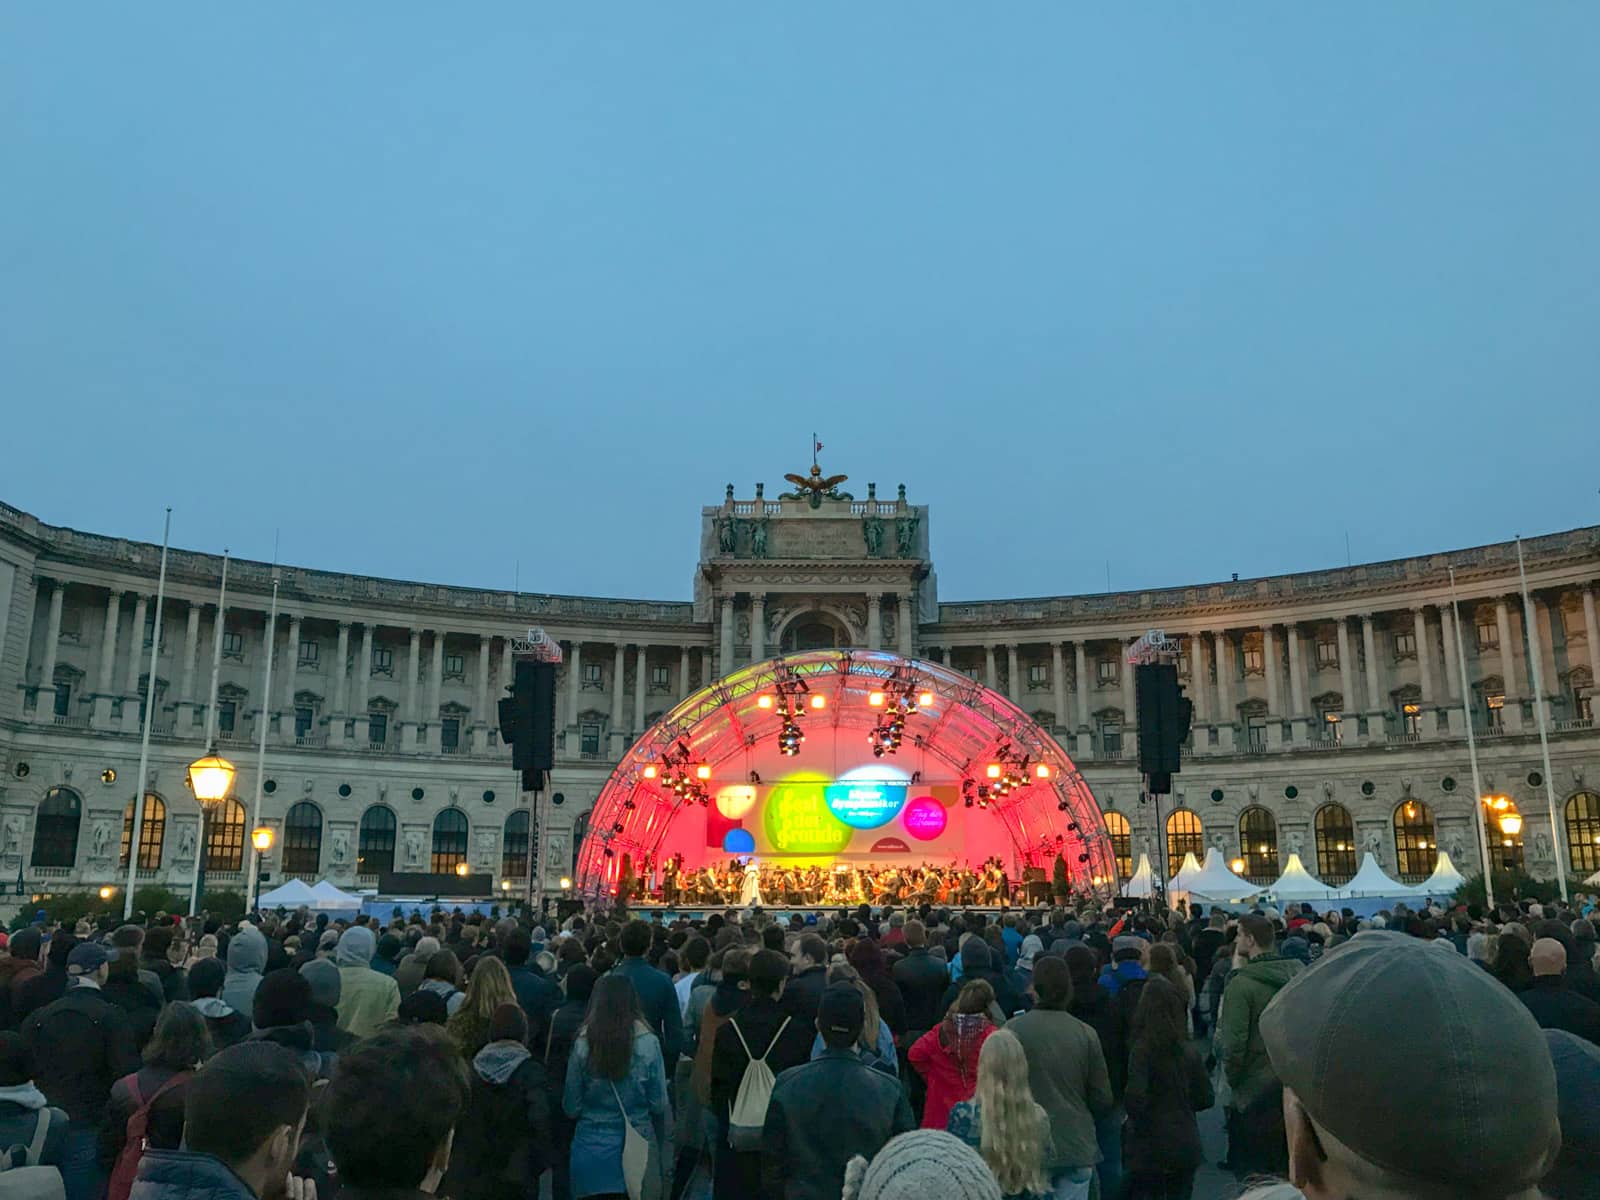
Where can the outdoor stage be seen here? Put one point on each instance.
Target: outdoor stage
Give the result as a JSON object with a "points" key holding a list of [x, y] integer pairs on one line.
{"points": [[832, 762]]}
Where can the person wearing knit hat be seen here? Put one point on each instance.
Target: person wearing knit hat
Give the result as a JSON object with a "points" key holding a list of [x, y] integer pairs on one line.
{"points": [[1552, 999], [921, 1165], [1354, 1077]]}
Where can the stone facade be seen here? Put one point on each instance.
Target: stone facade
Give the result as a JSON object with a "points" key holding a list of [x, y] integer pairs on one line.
{"points": [[1330, 709]]}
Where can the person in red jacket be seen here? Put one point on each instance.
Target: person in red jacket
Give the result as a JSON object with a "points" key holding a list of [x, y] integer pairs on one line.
{"points": [[947, 1056]]}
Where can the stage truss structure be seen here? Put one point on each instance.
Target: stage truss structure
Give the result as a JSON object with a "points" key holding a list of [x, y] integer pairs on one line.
{"points": [[964, 725]]}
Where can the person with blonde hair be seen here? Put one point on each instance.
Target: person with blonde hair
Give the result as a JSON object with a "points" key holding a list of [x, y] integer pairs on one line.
{"points": [[489, 988], [1003, 1121]]}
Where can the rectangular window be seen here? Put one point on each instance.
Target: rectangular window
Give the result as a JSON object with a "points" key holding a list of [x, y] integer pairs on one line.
{"points": [[1106, 670], [660, 678], [1111, 737], [450, 734], [1572, 623], [1038, 677], [1582, 703], [1496, 704], [1257, 732], [302, 720], [233, 645], [1411, 715], [1328, 654], [63, 699], [455, 666], [308, 654], [382, 661], [1254, 660], [589, 739], [377, 728], [1332, 726], [1405, 645], [593, 677], [1488, 635], [227, 711]]}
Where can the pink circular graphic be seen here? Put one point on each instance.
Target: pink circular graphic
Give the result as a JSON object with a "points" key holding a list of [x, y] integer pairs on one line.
{"points": [[925, 818]]}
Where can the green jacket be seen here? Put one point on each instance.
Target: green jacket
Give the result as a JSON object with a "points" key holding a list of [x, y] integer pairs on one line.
{"points": [[1244, 1058]]}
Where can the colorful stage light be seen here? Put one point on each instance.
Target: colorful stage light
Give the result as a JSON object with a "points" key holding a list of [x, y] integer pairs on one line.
{"points": [[650, 772], [702, 772], [763, 701], [925, 700], [1042, 771], [992, 770], [819, 702], [875, 699]]}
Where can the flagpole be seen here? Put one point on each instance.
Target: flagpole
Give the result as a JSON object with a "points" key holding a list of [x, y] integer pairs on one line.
{"points": [[251, 882], [1530, 619], [144, 739], [1472, 751]]}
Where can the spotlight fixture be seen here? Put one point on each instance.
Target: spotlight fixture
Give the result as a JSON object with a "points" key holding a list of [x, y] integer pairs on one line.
{"points": [[764, 701], [755, 777], [617, 827], [819, 701], [925, 700], [1042, 771], [992, 770], [650, 772], [702, 772], [875, 699]]}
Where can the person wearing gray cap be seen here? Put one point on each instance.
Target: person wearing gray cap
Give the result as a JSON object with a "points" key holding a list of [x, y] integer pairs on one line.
{"points": [[81, 1044], [1385, 1032]]}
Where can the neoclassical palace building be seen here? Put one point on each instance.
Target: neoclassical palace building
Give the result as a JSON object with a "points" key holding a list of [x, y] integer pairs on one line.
{"points": [[1331, 708]]}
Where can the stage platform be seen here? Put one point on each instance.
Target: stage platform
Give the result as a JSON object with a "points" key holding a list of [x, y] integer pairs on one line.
{"points": [[810, 912]]}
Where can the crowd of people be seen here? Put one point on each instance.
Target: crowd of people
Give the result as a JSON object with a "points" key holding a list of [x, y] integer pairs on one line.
{"points": [[870, 1054]]}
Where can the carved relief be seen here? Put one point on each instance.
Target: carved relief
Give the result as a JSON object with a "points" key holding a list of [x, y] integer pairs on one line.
{"points": [[413, 847]]}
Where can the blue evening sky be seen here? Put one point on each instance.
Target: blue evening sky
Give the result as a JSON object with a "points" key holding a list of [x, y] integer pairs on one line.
{"points": [[435, 289]]}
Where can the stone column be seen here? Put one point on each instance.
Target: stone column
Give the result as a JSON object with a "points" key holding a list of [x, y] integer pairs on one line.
{"points": [[363, 727], [641, 668], [108, 662], [1227, 667], [1447, 639], [1058, 681], [44, 706], [574, 682], [991, 678], [1272, 665], [1347, 680], [683, 673], [505, 682], [1419, 623], [130, 680], [1130, 702], [413, 665], [291, 672], [874, 622], [1080, 666], [1544, 644], [1199, 691], [191, 647], [619, 675], [435, 686], [1297, 679], [758, 628], [725, 658], [903, 626], [1013, 674], [480, 707], [1369, 645], [341, 687], [1511, 715], [1591, 627]]}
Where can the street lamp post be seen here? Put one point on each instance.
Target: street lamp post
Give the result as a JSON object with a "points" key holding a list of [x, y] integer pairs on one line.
{"points": [[210, 779], [260, 842]]}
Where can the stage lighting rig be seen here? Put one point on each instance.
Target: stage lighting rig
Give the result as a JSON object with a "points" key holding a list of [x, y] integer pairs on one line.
{"points": [[791, 702], [898, 699], [684, 781]]}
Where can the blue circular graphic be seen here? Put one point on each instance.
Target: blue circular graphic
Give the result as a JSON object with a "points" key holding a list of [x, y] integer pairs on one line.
{"points": [[739, 841]]}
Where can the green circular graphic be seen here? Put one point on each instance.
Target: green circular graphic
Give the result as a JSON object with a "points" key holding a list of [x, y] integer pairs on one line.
{"points": [[796, 819]]}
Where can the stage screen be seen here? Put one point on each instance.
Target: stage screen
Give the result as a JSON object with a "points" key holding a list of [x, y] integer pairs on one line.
{"points": [[870, 814]]}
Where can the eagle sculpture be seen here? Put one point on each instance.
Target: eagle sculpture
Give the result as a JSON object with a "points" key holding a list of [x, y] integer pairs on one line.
{"points": [[814, 487]]}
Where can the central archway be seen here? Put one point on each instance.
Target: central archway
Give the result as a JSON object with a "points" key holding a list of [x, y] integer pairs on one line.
{"points": [[970, 776]]}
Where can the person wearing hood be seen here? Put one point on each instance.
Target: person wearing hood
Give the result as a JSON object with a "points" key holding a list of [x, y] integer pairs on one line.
{"points": [[282, 1015], [37, 990], [367, 998], [1127, 963], [247, 959], [21, 965], [23, 1106], [326, 987], [1256, 1139], [947, 1055], [225, 1025], [386, 960], [977, 962], [505, 1134], [536, 991]]}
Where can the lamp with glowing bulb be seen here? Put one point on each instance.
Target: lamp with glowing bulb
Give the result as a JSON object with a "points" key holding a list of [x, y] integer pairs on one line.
{"points": [[261, 838], [1511, 823], [1237, 866], [106, 893], [210, 778], [462, 869]]}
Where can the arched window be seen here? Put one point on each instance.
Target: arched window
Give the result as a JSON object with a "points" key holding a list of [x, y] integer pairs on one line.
{"points": [[55, 828], [302, 839], [1184, 836], [1258, 843], [152, 832], [375, 843], [1121, 843], [814, 631], [225, 841], [1583, 832], [1505, 849], [1336, 844], [514, 847], [449, 840], [1414, 841]]}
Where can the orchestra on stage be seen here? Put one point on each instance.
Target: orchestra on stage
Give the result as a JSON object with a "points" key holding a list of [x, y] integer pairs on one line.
{"points": [[741, 882]]}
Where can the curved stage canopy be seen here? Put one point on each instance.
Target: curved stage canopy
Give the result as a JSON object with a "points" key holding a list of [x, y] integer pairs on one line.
{"points": [[964, 776]]}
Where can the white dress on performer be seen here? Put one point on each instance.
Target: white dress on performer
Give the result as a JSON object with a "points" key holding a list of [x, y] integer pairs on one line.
{"points": [[751, 893]]}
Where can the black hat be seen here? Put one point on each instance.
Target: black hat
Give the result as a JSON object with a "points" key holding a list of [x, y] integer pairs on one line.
{"points": [[841, 1013]]}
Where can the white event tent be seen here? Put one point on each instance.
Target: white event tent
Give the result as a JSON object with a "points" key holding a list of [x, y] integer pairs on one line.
{"points": [[1371, 881], [1143, 883], [1444, 881], [1297, 884], [1216, 882], [1186, 873], [331, 898], [294, 894]]}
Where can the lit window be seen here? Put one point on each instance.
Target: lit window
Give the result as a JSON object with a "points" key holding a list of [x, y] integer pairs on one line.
{"points": [[1582, 703], [1583, 832], [1414, 841], [1411, 714], [1258, 839], [1121, 843], [1496, 704], [1332, 726], [1336, 844], [1184, 836]]}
